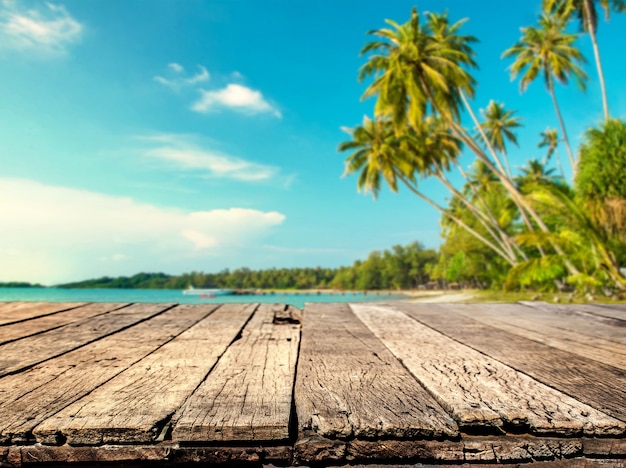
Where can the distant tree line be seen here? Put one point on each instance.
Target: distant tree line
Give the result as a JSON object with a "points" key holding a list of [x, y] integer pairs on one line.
{"points": [[402, 267], [19, 284]]}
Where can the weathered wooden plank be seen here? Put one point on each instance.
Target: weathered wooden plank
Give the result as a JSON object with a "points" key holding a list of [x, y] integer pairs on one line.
{"points": [[488, 453], [19, 355], [14, 312], [469, 450], [248, 395], [473, 387], [28, 398], [134, 406], [44, 323], [350, 386], [574, 318], [613, 314], [140, 456], [614, 311], [513, 318], [596, 384]]}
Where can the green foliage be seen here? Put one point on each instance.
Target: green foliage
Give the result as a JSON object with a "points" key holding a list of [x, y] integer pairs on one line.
{"points": [[578, 239], [549, 52], [498, 124], [537, 273], [402, 267], [20, 284], [601, 179]]}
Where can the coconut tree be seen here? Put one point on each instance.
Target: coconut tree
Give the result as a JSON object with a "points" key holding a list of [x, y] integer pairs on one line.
{"points": [[550, 139], [380, 155], [498, 125], [421, 70], [548, 51], [436, 148], [535, 172], [587, 14], [415, 73]]}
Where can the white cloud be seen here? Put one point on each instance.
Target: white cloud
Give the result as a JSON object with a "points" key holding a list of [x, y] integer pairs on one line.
{"points": [[52, 234], [203, 75], [184, 155], [178, 82], [48, 30], [235, 97], [176, 67]]}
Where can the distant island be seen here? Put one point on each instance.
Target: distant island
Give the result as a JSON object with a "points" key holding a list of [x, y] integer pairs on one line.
{"points": [[402, 267], [20, 284]]}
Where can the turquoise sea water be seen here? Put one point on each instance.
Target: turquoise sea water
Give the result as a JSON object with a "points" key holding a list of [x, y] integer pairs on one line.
{"points": [[159, 295]]}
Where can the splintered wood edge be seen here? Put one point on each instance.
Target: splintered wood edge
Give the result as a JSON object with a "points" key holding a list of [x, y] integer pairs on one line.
{"points": [[311, 448]]}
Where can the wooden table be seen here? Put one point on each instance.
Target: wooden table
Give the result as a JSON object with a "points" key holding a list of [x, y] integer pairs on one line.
{"points": [[388, 384]]}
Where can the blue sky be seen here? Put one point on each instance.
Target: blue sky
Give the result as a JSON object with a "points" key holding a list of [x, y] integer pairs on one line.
{"points": [[161, 135]]}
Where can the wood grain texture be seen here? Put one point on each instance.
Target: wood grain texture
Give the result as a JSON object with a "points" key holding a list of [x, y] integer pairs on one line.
{"points": [[248, 395], [514, 319], [477, 389], [44, 323], [616, 311], [598, 385], [13, 312], [142, 456], [22, 354], [403, 453], [574, 318], [133, 406], [607, 311], [487, 452], [30, 397], [350, 386]]}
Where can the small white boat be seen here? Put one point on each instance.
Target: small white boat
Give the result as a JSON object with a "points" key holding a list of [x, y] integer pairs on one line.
{"points": [[211, 292]]}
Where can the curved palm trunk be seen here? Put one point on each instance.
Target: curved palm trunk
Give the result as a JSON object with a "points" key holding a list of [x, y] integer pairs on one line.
{"points": [[494, 230], [517, 197], [482, 132], [458, 221], [523, 205], [462, 135], [508, 166], [562, 124], [505, 237], [558, 163], [596, 53]]}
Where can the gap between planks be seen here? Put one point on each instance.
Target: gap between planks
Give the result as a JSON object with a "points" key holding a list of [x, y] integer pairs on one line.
{"points": [[134, 406], [596, 384], [248, 395], [476, 389], [30, 397], [349, 385]]}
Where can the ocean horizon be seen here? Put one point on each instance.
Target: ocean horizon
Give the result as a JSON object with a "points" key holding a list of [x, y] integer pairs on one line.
{"points": [[297, 299]]}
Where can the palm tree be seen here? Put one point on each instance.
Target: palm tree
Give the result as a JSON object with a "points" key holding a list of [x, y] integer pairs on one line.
{"points": [[381, 155], [376, 155], [534, 173], [550, 139], [549, 51], [587, 15], [413, 69], [422, 69], [497, 126]]}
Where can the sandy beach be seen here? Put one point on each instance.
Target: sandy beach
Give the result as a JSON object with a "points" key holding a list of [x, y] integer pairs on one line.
{"points": [[440, 296]]}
